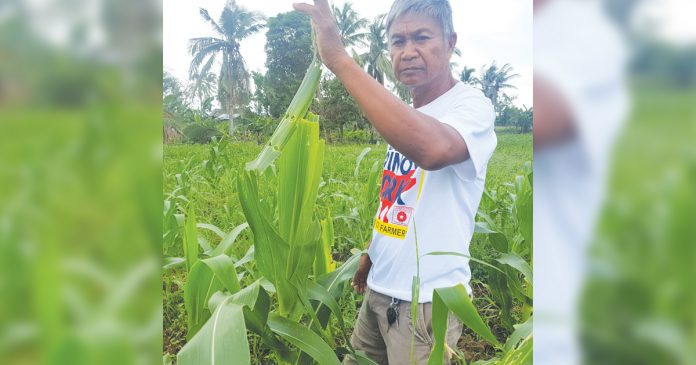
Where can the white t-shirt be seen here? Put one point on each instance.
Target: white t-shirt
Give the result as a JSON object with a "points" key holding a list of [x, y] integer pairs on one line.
{"points": [[444, 214]]}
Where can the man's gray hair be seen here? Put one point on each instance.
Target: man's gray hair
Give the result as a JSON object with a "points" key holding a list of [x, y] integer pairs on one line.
{"points": [[440, 10]]}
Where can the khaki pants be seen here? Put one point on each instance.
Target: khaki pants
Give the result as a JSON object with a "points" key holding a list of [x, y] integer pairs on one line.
{"points": [[387, 344]]}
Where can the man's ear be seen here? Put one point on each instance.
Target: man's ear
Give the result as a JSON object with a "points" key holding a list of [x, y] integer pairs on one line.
{"points": [[452, 42]]}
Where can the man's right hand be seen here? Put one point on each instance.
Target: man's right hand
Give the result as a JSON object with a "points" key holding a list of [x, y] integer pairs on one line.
{"points": [[359, 282]]}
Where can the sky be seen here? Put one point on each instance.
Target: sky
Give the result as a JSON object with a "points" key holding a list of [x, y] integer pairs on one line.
{"points": [[491, 30]]}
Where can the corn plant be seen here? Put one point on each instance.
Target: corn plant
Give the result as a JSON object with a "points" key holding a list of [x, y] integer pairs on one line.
{"points": [[218, 162], [511, 278], [292, 254]]}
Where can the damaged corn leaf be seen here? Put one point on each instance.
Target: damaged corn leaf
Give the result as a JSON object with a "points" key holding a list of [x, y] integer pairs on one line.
{"points": [[296, 112]]}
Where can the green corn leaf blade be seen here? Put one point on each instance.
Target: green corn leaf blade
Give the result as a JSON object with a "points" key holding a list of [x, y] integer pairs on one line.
{"points": [[320, 294], [298, 180], [518, 264], [522, 355], [306, 340], [256, 305], [452, 253], [200, 285], [332, 281], [502, 295], [269, 153], [439, 324], [323, 262], [499, 242], [362, 359], [415, 292], [228, 240], [216, 299], [173, 262], [213, 228], [247, 257], [359, 160], [286, 128], [270, 251], [190, 239], [222, 340], [223, 269], [455, 299], [522, 330], [314, 323]]}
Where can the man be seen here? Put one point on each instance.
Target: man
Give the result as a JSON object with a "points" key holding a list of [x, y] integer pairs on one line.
{"points": [[433, 178]]}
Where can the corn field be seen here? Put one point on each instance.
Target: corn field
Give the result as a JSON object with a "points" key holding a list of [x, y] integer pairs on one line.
{"points": [[210, 252], [273, 287]]}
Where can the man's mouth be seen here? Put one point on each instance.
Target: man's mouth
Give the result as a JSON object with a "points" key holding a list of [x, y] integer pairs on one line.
{"points": [[411, 69]]}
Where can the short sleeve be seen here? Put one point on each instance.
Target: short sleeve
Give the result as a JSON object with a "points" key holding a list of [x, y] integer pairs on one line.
{"points": [[473, 117]]}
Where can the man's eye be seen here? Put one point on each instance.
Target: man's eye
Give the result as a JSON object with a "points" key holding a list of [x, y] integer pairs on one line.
{"points": [[422, 38], [397, 42]]}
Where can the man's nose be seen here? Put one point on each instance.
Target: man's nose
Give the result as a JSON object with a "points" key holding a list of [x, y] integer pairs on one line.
{"points": [[410, 51]]}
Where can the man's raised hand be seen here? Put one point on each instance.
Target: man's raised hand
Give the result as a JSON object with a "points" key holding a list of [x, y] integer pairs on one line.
{"points": [[329, 44]]}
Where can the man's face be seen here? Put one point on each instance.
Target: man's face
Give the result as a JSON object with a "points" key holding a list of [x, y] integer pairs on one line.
{"points": [[418, 50]]}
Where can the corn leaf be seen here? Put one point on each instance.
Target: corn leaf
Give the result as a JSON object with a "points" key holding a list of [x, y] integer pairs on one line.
{"points": [[223, 268], [222, 340], [521, 355], [200, 285], [190, 239], [457, 300], [522, 331], [227, 241], [517, 263], [323, 262], [286, 128], [306, 340], [332, 281], [207, 277]]}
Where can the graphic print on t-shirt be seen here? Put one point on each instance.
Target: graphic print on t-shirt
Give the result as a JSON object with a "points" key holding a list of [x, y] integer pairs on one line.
{"points": [[394, 215]]}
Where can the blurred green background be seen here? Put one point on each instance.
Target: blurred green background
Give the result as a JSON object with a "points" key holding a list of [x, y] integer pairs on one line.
{"points": [[639, 304], [80, 182]]}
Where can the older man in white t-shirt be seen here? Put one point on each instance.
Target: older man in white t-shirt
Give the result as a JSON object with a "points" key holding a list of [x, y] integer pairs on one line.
{"points": [[433, 179]]}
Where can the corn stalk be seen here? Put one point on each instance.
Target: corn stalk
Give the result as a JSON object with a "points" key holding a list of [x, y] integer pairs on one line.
{"points": [[285, 252]]}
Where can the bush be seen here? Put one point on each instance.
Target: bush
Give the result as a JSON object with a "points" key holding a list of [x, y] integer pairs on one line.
{"points": [[197, 133], [358, 136]]}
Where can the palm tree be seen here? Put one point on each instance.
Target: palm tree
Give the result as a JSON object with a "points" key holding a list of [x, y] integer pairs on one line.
{"points": [[468, 77], [376, 59], [235, 24], [350, 25], [494, 80], [202, 88]]}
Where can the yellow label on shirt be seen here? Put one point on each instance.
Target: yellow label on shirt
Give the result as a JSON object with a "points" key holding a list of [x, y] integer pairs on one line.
{"points": [[391, 230]]}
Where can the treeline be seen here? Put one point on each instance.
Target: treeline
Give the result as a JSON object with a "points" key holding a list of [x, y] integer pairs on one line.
{"points": [[219, 97]]}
